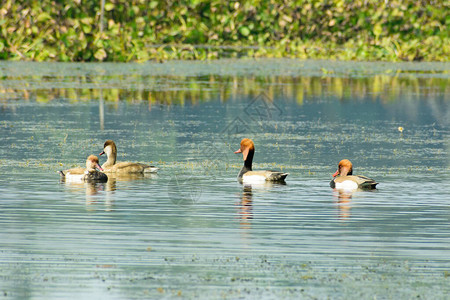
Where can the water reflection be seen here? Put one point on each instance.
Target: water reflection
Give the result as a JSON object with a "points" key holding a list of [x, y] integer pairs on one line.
{"points": [[90, 188], [245, 207], [96, 192], [113, 178], [101, 110], [182, 90], [343, 202]]}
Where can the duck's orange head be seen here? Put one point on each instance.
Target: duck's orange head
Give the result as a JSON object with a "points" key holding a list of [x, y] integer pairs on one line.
{"points": [[92, 163], [344, 168], [247, 146]]}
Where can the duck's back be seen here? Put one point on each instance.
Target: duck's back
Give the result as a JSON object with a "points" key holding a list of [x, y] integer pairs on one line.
{"points": [[127, 167], [74, 171], [359, 181]]}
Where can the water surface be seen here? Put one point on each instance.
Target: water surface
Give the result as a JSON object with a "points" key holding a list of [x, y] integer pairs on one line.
{"points": [[192, 231]]}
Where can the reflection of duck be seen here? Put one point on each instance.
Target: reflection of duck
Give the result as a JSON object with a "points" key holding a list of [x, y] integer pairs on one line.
{"points": [[345, 180], [344, 203], [246, 175], [113, 178], [90, 188], [93, 188], [95, 192], [110, 166], [131, 176], [88, 174], [246, 206]]}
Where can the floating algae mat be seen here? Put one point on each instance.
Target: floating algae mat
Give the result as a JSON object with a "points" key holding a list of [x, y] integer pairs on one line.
{"points": [[192, 231]]}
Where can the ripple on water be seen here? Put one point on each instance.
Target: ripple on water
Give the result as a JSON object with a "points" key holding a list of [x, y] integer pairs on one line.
{"points": [[192, 231]]}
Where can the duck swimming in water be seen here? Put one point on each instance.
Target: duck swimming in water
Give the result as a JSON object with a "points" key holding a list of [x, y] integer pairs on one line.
{"points": [[344, 178], [88, 174], [111, 166], [247, 175]]}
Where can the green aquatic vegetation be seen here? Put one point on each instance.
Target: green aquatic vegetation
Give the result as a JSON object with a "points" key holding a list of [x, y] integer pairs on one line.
{"points": [[207, 29]]}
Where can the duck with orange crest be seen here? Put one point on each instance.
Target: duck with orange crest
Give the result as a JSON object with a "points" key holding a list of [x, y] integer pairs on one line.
{"points": [[247, 175], [345, 180], [88, 174]]}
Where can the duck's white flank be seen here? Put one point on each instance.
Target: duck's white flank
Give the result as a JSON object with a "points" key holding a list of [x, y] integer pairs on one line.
{"points": [[347, 185]]}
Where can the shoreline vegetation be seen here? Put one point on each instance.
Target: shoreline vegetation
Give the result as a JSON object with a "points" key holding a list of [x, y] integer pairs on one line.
{"points": [[141, 30]]}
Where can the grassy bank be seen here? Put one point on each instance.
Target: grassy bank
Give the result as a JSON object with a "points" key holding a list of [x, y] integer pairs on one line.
{"points": [[140, 30]]}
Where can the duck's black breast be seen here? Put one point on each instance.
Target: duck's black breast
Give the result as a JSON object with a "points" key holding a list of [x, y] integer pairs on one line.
{"points": [[95, 176]]}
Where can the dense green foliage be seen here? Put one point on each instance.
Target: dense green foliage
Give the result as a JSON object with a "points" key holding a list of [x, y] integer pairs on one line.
{"points": [[199, 29]]}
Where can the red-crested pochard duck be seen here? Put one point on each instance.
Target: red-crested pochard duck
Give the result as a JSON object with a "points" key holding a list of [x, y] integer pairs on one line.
{"points": [[246, 175], [88, 174], [110, 166], [344, 178]]}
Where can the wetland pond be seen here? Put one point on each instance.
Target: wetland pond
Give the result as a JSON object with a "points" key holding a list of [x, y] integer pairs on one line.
{"points": [[192, 231]]}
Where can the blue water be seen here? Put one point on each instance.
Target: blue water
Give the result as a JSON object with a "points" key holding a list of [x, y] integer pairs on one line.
{"points": [[192, 231]]}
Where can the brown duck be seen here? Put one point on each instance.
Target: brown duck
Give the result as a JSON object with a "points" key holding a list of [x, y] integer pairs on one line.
{"points": [[111, 166]]}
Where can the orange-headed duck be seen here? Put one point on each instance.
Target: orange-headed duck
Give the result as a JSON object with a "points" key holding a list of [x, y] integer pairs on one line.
{"points": [[246, 175], [111, 166], [344, 178], [88, 174]]}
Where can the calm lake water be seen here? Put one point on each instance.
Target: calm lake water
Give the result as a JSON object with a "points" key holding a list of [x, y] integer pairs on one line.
{"points": [[192, 231]]}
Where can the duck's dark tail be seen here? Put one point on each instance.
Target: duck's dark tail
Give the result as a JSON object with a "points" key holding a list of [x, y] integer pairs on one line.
{"points": [[366, 183], [278, 176]]}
